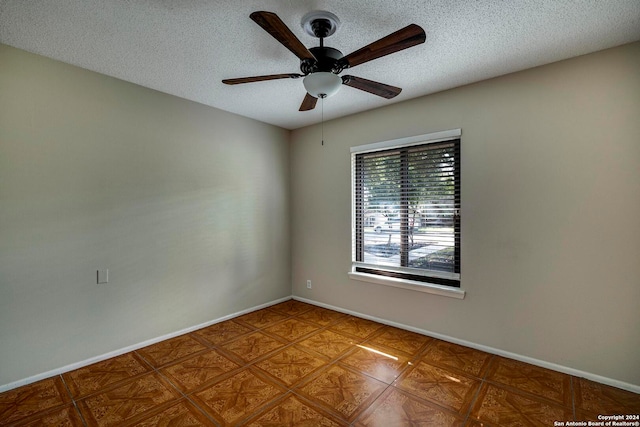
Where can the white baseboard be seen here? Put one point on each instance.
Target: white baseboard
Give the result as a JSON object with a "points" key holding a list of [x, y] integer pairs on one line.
{"points": [[564, 369], [570, 371], [130, 348]]}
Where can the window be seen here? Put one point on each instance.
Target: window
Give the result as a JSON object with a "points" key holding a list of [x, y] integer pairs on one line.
{"points": [[406, 209]]}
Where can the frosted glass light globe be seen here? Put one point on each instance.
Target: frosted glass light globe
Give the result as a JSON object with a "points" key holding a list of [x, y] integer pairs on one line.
{"points": [[322, 84]]}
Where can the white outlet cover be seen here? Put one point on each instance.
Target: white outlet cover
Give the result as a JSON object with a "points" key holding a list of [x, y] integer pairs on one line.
{"points": [[103, 276]]}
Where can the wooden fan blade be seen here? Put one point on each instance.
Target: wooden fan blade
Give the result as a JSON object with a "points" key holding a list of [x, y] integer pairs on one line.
{"points": [[409, 36], [260, 78], [272, 24], [308, 103], [376, 88]]}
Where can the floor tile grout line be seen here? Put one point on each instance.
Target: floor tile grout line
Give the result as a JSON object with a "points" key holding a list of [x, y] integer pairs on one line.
{"points": [[573, 398], [531, 395], [73, 400], [318, 407], [422, 398], [157, 371], [474, 400], [144, 360], [527, 394], [336, 361], [264, 408], [66, 387], [373, 402], [202, 411], [186, 396], [483, 381]]}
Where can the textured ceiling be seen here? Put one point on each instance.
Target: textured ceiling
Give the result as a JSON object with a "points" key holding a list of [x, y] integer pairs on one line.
{"points": [[186, 47]]}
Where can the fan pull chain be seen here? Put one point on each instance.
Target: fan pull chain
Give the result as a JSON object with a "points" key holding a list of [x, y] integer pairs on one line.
{"points": [[322, 118]]}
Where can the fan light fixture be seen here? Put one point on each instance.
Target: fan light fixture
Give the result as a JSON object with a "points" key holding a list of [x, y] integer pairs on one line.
{"points": [[322, 84]]}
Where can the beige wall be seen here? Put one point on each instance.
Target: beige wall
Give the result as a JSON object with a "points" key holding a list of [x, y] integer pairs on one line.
{"points": [[550, 213], [189, 208], [186, 205]]}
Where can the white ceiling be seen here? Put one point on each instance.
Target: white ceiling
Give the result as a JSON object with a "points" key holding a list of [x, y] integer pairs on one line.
{"points": [[186, 47]]}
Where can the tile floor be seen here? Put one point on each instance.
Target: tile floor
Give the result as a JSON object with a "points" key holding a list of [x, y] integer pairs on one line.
{"points": [[295, 364]]}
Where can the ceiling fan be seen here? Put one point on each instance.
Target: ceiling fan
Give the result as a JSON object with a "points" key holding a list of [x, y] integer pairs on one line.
{"points": [[321, 66]]}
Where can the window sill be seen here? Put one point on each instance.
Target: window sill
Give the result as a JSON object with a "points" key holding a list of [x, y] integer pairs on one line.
{"points": [[445, 291]]}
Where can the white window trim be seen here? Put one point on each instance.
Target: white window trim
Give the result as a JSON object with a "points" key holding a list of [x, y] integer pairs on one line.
{"points": [[427, 138], [407, 270], [430, 288]]}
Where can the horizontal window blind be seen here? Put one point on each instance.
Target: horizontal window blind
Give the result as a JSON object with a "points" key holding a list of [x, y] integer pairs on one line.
{"points": [[407, 212]]}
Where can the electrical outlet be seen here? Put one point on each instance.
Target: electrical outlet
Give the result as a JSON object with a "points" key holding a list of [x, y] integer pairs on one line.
{"points": [[308, 284], [103, 276]]}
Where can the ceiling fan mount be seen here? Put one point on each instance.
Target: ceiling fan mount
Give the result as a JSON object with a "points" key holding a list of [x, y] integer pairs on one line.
{"points": [[320, 23], [321, 65]]}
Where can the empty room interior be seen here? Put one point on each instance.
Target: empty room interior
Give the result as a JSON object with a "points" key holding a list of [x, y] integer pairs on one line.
{"points": [[450, 237]]}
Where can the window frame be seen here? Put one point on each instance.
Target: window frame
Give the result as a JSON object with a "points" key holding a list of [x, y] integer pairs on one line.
{"points": [[430, 281]]}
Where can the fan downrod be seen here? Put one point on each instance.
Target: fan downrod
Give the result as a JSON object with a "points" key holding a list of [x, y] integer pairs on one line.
{"points": [[322, 24]]}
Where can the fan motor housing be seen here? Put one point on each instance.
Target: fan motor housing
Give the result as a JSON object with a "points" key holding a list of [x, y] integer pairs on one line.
{"points": [[327, 60]]}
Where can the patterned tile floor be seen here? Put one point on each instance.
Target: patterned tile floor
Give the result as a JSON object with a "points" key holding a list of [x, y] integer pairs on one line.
{"points": [[295, 364]]}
